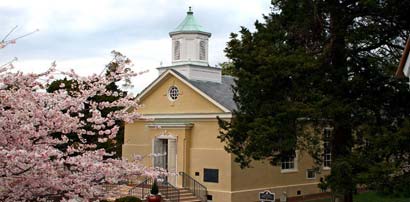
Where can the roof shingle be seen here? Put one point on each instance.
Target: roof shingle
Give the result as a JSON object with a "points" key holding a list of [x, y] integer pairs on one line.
{"points": [[220, 92]]}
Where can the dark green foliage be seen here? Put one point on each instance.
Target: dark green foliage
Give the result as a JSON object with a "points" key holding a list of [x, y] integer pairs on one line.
{"points": [[128, 199], [324, 63], [227, 68], [112, 145], [323, 185], [154, 188], [370, 197]]}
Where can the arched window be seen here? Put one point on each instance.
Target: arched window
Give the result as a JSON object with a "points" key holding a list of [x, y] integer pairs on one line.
{"points": [[202, 49], [177, 50]]}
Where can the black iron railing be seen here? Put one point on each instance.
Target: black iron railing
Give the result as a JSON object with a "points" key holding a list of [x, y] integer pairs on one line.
{"points": [[169, 191], [140, 190], [194, 186], [166, 190]]}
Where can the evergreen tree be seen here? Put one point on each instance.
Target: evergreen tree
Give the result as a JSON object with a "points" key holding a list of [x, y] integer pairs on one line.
{"points": [[322, 63], [227, 68]]}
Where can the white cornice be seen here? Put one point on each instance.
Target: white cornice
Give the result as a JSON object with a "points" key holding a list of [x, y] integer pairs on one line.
{"points": [[188, 116], [150, 86], [170, 125]]}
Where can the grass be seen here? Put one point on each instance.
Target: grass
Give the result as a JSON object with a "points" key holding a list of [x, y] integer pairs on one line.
{"points": [[370, 197]]}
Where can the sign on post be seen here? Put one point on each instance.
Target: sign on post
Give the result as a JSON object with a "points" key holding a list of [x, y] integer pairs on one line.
{"points": [[266, 196]]}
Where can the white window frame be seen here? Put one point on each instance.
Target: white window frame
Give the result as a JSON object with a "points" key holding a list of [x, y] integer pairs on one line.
{"points": [[307, 174], [327, 156], [202, 50], [178, 91], [290, 170], [177, 50]]}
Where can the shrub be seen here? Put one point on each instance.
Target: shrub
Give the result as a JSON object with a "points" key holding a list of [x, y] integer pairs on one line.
{"points": [[154, 188]]}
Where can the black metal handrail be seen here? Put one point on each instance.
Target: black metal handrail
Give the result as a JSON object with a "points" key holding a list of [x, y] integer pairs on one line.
{"points": [[166, 190], [144, 191], [194, 186], [169, 191]]}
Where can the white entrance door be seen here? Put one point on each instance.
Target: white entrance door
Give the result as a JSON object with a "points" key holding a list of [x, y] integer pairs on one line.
{"points": [[160, 153], [172, 161], [165, 157]]}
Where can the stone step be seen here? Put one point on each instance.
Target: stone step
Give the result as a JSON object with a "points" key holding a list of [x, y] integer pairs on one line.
{"points": [[185, 195], [189, 200], [196, 200]]}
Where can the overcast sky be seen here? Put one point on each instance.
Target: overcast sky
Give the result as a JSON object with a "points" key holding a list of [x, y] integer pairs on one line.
{"points": [[80, 34]]}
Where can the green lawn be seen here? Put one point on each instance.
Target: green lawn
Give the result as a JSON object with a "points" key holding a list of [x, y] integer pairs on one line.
{"points": [[370, 197]]}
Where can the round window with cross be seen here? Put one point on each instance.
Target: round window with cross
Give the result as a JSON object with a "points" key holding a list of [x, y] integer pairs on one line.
{"points": [[173, 93]]}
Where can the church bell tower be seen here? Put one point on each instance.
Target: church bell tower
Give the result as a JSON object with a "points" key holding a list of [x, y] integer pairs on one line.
{"points": [[189, 42], [190, 51]]}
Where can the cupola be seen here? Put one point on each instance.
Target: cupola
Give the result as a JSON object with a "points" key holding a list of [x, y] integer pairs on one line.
{"points": [[190, 51], [189, 42]]}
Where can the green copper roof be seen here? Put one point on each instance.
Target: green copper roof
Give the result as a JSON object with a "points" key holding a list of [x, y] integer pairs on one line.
{"points": [[189, 23]]}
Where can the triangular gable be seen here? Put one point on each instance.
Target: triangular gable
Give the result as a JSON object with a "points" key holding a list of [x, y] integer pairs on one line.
{"points": [[164, 75]]}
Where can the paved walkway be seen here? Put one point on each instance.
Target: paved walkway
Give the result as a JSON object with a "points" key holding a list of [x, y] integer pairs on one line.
{"points": [[118, 191]]}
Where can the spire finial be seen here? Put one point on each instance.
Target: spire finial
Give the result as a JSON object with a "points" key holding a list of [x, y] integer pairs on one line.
{"points": [[190, 11]]}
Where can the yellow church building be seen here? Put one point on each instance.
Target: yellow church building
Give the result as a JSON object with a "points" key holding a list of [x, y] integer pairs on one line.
{"points": [[181, 107]]}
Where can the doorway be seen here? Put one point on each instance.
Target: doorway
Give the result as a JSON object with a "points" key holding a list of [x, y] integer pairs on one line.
{"points": [[166, 157]]}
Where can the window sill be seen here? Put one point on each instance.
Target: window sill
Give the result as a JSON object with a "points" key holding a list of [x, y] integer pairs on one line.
{"points": [[326, 168], [289, 171]]}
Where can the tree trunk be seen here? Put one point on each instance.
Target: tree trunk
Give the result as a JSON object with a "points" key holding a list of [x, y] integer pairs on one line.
{"points": [[348, 197], [342, 136]]}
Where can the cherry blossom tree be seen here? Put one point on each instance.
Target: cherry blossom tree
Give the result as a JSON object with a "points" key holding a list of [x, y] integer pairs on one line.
{"points": [[32, 168]]}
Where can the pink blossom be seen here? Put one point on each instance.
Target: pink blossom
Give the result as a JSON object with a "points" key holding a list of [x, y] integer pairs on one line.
{"points": [[31, 166]]}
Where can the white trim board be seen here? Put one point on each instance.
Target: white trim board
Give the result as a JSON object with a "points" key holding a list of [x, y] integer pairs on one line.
{"points": [[170, 125], [263, 188], [188, 116]]}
